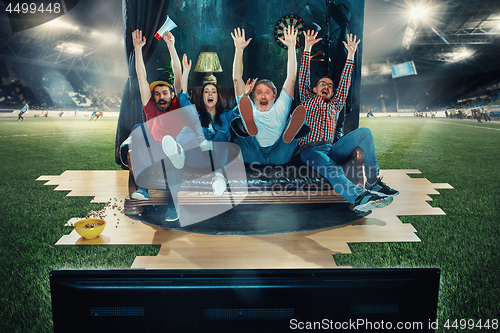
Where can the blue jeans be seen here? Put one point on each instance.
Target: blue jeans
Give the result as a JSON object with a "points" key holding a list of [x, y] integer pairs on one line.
{"points": [[195, 158], [192, 135], [148, 159], [322, 158], [192, 118], [279, 153]]}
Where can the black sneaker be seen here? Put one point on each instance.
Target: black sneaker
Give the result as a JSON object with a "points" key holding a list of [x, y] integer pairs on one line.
{"points": [[368, 201], [381, 188]]}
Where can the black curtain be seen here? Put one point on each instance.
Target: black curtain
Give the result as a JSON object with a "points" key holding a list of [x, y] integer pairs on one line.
{"points": [[342, 16], [148, 16]]}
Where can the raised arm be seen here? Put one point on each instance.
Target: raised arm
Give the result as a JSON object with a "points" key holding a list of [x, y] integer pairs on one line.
{"points": [[310, 40], [169, 39], [305, 69], [185, 74], [239, 45], [290, 39], [351, 46], [345, 79], [139, 41]]}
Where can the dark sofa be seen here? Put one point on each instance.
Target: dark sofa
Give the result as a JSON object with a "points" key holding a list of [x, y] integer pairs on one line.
{"points": [[265, 184]]}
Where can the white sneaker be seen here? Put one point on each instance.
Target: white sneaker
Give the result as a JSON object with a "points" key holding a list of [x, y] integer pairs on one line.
{"points": [[219, 184], [140, 194], [206, 145], [174, 151]]}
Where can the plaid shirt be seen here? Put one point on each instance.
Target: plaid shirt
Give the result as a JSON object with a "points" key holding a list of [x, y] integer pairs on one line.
{"points": [[320, 115]]}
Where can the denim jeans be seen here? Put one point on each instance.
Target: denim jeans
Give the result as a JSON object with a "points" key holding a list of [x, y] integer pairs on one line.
{"points": [[148, 158], [322, 158], [279, 153], [195, 158], [192, 117]]}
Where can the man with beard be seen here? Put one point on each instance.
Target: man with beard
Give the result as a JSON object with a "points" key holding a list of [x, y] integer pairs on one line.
{"points": [[265, 132], [323, 103], [158, 100]]}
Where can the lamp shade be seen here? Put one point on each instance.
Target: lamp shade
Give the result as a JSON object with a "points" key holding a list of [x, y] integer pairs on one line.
{"points": [[208, 62]]}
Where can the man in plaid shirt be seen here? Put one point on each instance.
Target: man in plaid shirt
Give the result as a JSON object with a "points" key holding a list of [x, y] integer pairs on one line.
{"points": [[318, 149]]}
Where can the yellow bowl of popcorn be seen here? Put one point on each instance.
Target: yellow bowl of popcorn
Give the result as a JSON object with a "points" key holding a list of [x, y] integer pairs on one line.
{"points": [[89, 228]]}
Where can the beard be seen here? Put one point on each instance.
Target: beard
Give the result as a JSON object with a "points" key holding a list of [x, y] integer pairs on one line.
{"points": [[163, 105], [264, 105], [326, 95]]}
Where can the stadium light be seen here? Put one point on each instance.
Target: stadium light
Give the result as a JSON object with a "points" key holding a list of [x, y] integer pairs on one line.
{"points": [[58, 24], [461, 54], [107, 37], [418, 13], [72, 48], [410, 33], [110, 37]]}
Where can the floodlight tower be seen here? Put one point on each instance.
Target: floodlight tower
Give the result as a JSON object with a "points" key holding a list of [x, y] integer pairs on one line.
{"points": [[416, 14]]}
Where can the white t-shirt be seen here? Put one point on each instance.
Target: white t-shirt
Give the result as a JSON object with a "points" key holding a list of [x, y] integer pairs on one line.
{"points": [[270, 124]]}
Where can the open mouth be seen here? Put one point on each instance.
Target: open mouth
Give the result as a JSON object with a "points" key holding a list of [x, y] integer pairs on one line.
{"points": [[264, 102], [210, 100]]}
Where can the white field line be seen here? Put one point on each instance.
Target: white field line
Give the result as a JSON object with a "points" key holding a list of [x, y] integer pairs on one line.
{"points": [[46, 134], [491, 128]]}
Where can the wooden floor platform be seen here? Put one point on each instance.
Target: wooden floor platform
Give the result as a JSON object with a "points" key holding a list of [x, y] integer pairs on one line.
{"points": [[183, 250]]}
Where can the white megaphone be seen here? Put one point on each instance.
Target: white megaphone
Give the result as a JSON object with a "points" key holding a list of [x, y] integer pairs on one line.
{"points": [[167, 26]]}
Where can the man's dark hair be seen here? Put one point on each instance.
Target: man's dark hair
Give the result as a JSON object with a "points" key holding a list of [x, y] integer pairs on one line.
{"points": [[325, 77], [205, 117]]}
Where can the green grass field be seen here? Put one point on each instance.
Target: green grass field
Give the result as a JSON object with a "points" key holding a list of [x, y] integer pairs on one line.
{"points": [[463, 244]]}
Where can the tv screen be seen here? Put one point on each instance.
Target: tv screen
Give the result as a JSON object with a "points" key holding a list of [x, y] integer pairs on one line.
{"points": [[404, 69], [244, 300]]}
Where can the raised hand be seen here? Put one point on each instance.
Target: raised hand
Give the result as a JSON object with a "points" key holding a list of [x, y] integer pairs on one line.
{"points": [[137, 39], [239, 38], [351, 44], [185, 64], [310, 39], [169, 38], [185, 75], [249, 86], [290, 35]]}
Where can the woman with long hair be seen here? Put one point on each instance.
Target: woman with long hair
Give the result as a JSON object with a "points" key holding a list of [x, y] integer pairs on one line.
{"points": [[216, 125], [215, 120]]}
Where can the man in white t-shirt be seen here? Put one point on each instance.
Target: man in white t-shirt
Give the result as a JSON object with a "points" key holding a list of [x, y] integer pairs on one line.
{"points": [[267, 134]]}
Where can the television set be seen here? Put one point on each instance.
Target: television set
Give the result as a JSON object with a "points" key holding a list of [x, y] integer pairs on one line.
{"points": [[280, 300], [403, 69]]}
